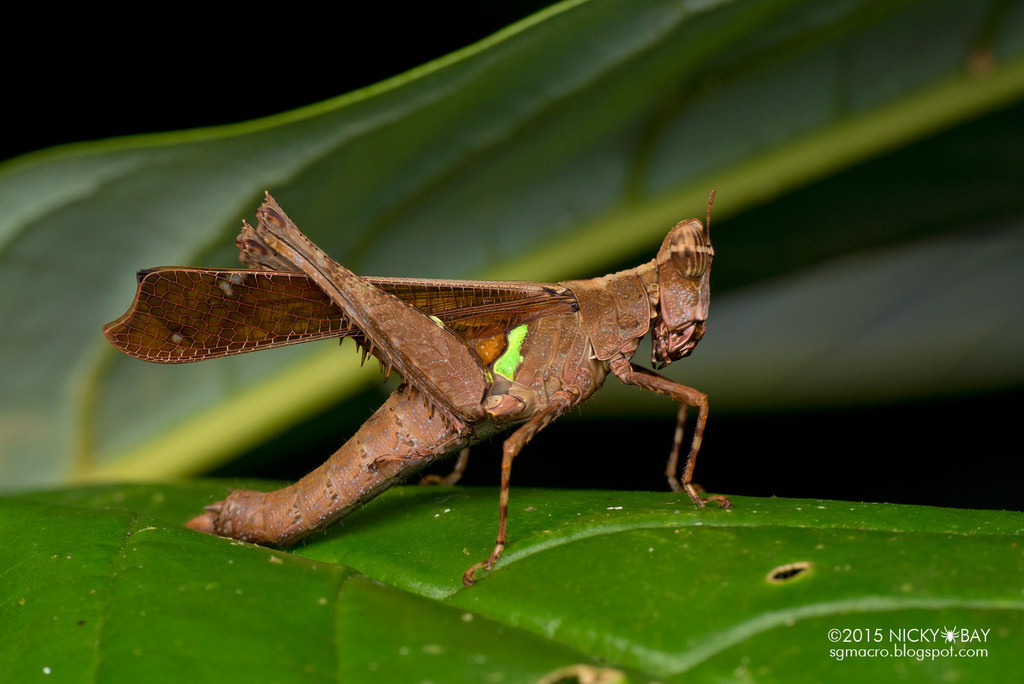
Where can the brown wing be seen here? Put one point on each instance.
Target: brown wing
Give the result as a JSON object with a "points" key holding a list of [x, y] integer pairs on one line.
{"points": [[480, 308], [190, 314]]}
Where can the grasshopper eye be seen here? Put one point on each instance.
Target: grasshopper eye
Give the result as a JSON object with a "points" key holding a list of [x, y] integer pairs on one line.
{"points": [[691, 250]]}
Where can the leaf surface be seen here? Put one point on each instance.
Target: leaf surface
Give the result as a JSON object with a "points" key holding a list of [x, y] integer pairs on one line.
{"points": [[107, 584]]}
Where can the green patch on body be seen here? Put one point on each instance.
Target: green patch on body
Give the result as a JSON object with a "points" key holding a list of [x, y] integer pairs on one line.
{"points": [[507, 363]]}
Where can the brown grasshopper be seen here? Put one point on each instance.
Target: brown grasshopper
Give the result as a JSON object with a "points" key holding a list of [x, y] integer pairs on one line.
{"points": [[474, 357]]}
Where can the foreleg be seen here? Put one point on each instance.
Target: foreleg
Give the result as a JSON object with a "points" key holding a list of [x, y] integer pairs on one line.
{"points": [[686, 396]]}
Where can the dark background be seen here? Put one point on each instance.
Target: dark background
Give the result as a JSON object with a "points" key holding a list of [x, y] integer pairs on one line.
{"points": [[92, 77], [88, 73]]}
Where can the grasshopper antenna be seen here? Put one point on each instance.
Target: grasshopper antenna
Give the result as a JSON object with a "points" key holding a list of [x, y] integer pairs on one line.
{"points": [[707, 220]]}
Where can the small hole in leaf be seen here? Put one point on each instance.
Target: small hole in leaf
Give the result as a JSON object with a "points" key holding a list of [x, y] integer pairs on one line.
{"points": [[788, 572]]}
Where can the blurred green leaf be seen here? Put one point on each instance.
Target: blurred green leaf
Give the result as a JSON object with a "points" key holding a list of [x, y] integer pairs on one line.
{"points": [[554, 149], [107, 586]]}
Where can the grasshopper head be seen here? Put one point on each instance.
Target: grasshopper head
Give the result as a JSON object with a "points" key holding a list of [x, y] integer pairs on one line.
{"points": [[684, 268]]}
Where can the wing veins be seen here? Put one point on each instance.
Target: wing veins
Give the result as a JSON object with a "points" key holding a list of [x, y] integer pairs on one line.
{"points": [[189, 314]]}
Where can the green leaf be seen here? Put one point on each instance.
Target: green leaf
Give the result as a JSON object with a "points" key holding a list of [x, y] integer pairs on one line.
{"points": [[107, 586], [556, 148]]}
